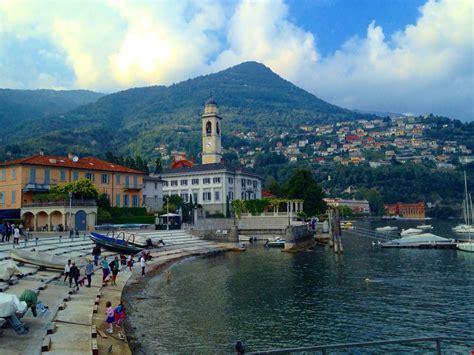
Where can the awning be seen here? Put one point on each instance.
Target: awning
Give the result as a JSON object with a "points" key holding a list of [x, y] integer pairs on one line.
{"points": [[10, 214]]}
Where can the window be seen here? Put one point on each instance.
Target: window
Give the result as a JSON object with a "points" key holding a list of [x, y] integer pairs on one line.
{"points": [[185, 196], [230, 195], [62, 175], [32, 175], [165, 183], [249, 182], [195, 181], [90, 176], [125, 200], [46, 176], [243, 182], [255, 184], [183, 182], [2, 198], [195, 197], [216, 180], [135, 200], [13, 173], [105, 178], [230, 180], [117, 179], [174, 182], [13, 196], [206, 181], [156, 186], [75, 175], [3, 175], [117, 200], [243, 195], [217, 195], [135, 181], [127, 181], [208, 128], [206, 196]]}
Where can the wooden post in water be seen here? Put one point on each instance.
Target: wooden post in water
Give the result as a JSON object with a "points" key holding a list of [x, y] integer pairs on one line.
{"points": [[339, 231], [331, 234], [335, 226]]}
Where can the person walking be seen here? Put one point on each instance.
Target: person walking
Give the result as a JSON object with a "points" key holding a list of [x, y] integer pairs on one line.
{"points": [[74, 275], [123, 262], [67, 270], [9, 231], [3, 229], [109, 312], [89, 272], [105, 269], [96, 252], [16, 236], [130, 262], [143, 263], [114, 267]]}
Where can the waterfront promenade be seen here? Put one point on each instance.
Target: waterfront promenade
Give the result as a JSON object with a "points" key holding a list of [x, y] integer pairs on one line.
{"points": [[75, 322]]}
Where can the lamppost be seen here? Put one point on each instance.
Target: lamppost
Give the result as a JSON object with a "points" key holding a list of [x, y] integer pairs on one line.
{"points": [[70, 213], [167, 213]]}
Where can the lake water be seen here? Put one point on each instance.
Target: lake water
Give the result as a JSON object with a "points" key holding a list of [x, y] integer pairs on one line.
{"points": [[269, 299]]}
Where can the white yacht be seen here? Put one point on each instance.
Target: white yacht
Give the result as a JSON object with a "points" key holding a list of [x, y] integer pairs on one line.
{"points": [[423, 241], [386, 229], [410, 231], [425, 227]]}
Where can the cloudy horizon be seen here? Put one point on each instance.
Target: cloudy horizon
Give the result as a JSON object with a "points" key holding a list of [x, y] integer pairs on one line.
{"points": [[421, 66]]}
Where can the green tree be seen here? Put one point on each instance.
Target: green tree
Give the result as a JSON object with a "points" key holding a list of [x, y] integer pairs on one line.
{"points": [[302, 185], [374, 197], [81, 188], [103, 202], [158, 166]]}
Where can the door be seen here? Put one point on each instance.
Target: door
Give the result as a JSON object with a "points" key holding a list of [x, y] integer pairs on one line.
{"points": [[80, 221]]}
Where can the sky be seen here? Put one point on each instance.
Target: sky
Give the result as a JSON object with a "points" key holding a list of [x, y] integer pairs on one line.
{"points": [[405, 56]]}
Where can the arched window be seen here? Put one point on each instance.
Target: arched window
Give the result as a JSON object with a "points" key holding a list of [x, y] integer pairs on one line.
{"points": [[208, 128], [218, 131]]}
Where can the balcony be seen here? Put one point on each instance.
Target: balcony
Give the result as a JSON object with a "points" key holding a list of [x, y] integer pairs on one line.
{"points": [[61, 203], [33, 187], [133, 187]]}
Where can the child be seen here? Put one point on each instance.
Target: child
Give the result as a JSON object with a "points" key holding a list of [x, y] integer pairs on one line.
{"points": [[123, 262], [119, 313], [130, 262], [109, 312]]}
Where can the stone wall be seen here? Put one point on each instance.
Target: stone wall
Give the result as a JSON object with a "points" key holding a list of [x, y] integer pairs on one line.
{"points": [[295, 235], [220, 235], [246, 223]]}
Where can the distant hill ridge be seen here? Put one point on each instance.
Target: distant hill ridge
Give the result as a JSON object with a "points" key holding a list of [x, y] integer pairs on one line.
{"points": [[135, 121]]}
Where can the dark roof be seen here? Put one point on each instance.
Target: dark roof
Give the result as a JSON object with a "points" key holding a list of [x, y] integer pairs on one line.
{"points": [[210, 167], [211, 101]]}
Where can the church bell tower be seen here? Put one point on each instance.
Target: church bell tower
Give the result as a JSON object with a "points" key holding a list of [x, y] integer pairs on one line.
{"points": [[211, 133]]}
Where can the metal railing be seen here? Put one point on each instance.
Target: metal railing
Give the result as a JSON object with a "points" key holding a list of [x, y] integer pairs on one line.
{"points": [[324, 349], [61, 203]]}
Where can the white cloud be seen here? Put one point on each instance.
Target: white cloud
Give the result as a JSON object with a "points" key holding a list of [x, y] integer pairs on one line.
{"points": [[425, 67]]}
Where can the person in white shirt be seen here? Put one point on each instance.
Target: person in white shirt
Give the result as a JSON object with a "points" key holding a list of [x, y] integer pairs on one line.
{"points": [[67, 270], [142, 264], [16, 236]]}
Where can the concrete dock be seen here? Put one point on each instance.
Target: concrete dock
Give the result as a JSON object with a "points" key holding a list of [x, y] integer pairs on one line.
{"points": [[75, 322]]}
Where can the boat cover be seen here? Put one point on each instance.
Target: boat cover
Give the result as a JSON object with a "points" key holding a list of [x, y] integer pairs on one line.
{"points": [[10, 304], [7, 269], [410, 231], [43, 259], [420, 238]]}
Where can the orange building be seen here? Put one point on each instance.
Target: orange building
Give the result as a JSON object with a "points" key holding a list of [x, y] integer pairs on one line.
{"points": [[21, 179], [407, 210]]}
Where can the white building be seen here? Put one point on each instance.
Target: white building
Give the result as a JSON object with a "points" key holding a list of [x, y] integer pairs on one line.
{"points": [[213, 184], [152, 193]]}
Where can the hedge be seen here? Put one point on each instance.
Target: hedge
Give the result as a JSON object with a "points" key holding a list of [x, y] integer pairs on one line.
{"points": [[128, 219]]}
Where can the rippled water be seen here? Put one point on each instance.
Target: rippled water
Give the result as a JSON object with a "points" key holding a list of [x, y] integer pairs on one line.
{"points": [[271, 299]]}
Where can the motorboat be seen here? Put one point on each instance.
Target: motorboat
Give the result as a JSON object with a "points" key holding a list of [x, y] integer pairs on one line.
{"points": [[275, 243], [386, 229], [43, 259], [423, 241], [326, 227], [425, 227], [115, 243], [463, 228], [466, 246], [410, 231], [346, 225]]}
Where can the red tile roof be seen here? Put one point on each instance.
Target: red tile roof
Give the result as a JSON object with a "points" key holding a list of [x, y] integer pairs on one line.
{"points": [[86, 163]]}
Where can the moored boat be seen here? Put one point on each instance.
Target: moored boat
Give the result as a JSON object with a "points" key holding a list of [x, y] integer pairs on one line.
{"points": [[466, 246], [114, 243], [386, 229], [423, 241], [43, 259], [410, 231], [425, 227], [275, 243]]}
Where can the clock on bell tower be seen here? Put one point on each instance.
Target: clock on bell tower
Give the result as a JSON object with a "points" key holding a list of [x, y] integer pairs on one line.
{"points": [[211, 133]]}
